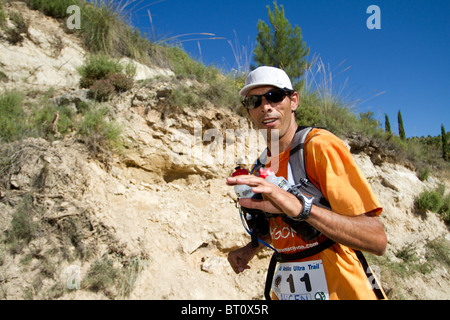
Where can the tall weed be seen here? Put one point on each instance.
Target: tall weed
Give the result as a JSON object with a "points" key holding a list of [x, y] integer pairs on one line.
{"points": [[105, 29], [324, 104], [99, 131], [103, 26], [2, 15], [12, 116], [53, 8], [23, 228]]}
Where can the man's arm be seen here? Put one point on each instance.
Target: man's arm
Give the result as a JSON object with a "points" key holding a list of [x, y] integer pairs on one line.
{"points": [[361, 232]]}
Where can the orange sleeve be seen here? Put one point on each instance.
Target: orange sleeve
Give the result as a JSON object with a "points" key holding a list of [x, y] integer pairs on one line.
{"points": [[331, 167]]}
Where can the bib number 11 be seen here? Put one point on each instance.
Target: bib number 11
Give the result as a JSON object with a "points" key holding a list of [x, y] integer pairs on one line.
{"points": [[304, 279], [301, 281]]}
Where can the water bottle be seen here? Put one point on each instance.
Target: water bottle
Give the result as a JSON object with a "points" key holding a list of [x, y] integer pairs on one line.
{"points": [[270, 176], [242, 190], [256, 220]]}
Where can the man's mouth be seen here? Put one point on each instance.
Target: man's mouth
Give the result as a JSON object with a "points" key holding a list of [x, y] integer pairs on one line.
{"points": [[268, 121]]}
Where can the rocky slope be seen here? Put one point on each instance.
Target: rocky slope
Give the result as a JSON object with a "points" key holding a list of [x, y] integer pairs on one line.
{"points": [[158, 219]]}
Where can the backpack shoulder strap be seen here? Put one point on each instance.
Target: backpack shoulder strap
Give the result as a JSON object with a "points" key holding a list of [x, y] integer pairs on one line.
{"points": [[296, 157], [298, 167]]}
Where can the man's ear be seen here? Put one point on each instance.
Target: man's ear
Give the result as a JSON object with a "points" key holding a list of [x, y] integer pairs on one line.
{"points": [[294, 101]]}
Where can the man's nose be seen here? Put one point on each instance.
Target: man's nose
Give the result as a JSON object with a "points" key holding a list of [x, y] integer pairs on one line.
{"points": [[265, 105]]}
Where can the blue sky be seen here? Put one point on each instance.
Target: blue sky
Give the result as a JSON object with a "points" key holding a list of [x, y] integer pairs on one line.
{"points": [[404, 66]]}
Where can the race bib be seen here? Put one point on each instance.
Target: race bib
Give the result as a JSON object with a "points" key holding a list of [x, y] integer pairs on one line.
{"points": [[300, 281]]}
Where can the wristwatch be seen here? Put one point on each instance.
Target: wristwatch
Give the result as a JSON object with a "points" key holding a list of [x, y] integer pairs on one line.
{"points": [[306, 201]]}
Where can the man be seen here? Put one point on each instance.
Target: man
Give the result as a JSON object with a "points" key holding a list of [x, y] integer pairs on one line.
{"points": [[350, 221]]}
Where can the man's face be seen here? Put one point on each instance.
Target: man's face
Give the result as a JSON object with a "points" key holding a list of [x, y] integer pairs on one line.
{"points": [[270, 115]]}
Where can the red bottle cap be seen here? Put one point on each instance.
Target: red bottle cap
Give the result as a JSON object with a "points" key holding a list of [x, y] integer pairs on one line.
{"points": [[239, 171], [264, 173]]}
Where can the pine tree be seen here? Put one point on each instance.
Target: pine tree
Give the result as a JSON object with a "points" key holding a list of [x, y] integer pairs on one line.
{"points": [[401, 130], [387, 124], [281, 46], [445, 153]]}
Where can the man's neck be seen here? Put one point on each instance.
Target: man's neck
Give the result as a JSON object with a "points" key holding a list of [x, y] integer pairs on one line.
{"points": [[281, 144]]}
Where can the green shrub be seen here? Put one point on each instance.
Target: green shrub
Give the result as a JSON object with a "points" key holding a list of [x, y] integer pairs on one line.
{"points": [[97, 67], [12, 116], [41, 119], [23, 228], [16, 123], [103, 76], [436, 201], [101, 276], [429, 200], [325, 110], [98, 131], [411, 262], [121, 82], [104, 274], [101, 90], [423, 173], [439, 250], [444, 211], [183, 97], [222, 93], [14, 35]]}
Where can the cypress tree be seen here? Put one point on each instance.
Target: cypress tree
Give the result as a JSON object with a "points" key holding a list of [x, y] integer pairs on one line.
{"points": [[401, 130], [445, 153], [387, 124]]}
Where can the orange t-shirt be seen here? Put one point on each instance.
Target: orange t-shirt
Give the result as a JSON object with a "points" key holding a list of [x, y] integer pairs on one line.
{"points": [[331, 168]]}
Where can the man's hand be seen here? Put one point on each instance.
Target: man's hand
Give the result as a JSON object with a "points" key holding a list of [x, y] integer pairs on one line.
{"points": [[275, 199], [240, 258]]}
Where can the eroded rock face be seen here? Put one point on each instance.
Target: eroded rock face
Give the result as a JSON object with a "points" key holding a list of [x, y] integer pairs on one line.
{"points": [[181, 219]]}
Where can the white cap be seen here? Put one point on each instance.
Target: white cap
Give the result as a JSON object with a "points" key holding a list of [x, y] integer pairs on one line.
{"points": [[266, 76]]}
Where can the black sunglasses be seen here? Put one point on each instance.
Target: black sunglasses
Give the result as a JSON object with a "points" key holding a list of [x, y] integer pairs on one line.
{"points": [[275, 96]]}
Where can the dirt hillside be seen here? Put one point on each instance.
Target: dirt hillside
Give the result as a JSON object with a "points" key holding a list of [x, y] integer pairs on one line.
{"points": [[153, 221]]}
